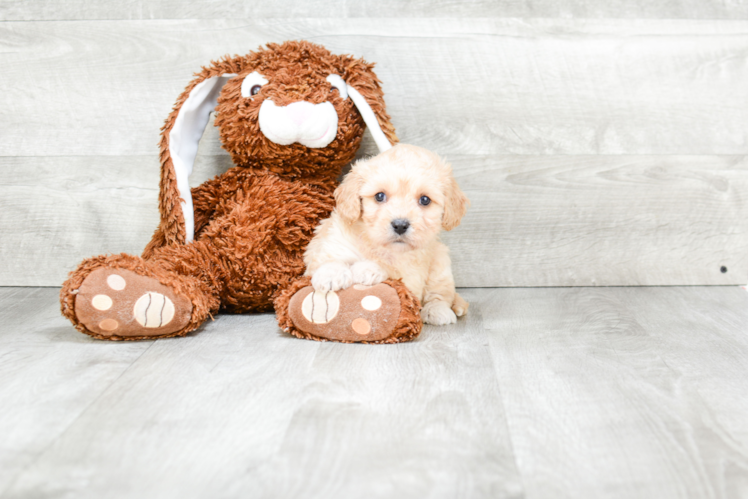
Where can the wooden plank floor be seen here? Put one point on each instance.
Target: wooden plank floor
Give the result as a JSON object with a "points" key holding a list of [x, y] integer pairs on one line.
{"points": [[568, 392]]}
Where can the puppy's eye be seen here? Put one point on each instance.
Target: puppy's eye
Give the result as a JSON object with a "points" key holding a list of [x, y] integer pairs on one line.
{"points": [[255, 90], [424, 200], [380, 197]]}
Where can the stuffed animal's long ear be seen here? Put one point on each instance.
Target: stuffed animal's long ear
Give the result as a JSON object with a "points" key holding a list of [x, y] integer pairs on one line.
{"points": [[179, 141], [364, 89], [455, 206], [347, 199]]}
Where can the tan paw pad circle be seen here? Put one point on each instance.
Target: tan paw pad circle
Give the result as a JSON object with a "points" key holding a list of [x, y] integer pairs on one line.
{"points": [[102, 302], [320, 307], [361, 326], [153, 310], [109, 325], [116, 282]]}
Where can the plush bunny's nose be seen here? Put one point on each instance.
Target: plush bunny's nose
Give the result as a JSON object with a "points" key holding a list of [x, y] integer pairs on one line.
{"points": [[313, 125], [298, 112]]}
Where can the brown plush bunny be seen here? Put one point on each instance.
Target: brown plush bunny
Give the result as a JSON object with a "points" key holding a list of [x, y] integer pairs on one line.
{"points": [[291, 115]]}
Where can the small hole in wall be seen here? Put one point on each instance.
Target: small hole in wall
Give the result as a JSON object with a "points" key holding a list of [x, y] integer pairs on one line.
{"points": [[723, 269]]}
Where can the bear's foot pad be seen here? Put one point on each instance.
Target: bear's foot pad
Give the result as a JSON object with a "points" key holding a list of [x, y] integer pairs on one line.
{"points": [[120, 303], [360, 313]]}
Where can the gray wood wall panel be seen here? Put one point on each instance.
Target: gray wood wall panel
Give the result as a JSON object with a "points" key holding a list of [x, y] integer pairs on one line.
{"points": [[465, 86], [58, 210], [534, 221], [602, 220], [533, 112], [624, 392], [33, 10]]}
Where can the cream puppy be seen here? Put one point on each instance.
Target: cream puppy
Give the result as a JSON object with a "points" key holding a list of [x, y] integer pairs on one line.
{"points": [[389, 211]]}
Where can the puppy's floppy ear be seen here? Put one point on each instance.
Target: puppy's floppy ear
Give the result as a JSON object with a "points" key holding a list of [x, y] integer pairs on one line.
{"points": [[455, 206], [347, 199], [179, 141], [364, 88]]}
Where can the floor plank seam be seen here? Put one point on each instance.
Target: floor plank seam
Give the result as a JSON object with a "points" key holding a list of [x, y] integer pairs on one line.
{"points": [[520, 477], [486, 342]]}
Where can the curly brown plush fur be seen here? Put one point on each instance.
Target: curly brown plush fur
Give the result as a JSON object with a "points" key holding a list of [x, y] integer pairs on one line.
{"points": [[253, 222], [297, 72]]}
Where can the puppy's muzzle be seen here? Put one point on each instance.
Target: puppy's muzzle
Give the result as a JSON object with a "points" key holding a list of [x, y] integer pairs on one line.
{"points": [[400, 225]]}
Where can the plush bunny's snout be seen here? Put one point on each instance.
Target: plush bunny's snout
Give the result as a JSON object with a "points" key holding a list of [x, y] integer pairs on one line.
{"points": [[313, 125]]}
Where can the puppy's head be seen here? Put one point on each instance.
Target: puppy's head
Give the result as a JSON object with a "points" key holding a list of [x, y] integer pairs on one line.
{"points": [[402, 197]]}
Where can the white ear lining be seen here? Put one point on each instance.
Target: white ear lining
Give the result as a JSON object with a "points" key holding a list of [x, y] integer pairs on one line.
{"points": [[363, 107], [184, 138], [370, 119], [338, 83]]}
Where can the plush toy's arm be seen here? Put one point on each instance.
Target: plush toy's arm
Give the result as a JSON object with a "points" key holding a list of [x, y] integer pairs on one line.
{"points": [[205, 199]]}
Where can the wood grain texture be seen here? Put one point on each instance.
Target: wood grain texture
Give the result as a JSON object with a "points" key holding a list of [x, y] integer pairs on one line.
{"points": [[422, 420], [58, 211], [20, 10], [624, 392], [539, 392], [601, 220], [457, 86], [83, 102], [534, 220], [49, 376], [241, 410]]}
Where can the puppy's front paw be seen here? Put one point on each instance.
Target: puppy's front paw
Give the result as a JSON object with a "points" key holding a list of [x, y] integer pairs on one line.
{"points": [[332, 277], [438, 312], [460, 306], [367, 272]]}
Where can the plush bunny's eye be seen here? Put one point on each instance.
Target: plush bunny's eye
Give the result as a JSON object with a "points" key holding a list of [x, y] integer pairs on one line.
{"points": [[337, 83], [252, 84]]}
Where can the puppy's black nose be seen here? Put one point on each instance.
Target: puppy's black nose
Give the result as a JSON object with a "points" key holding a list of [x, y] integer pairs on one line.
{"points": [[400, 225]]}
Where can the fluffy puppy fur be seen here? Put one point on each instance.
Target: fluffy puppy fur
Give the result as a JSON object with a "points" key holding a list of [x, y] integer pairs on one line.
{"points": [[386, 223]]}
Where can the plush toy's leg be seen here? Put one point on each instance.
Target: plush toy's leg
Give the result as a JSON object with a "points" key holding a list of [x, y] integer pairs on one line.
{"points": [[381, 314], [123, 297]]}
